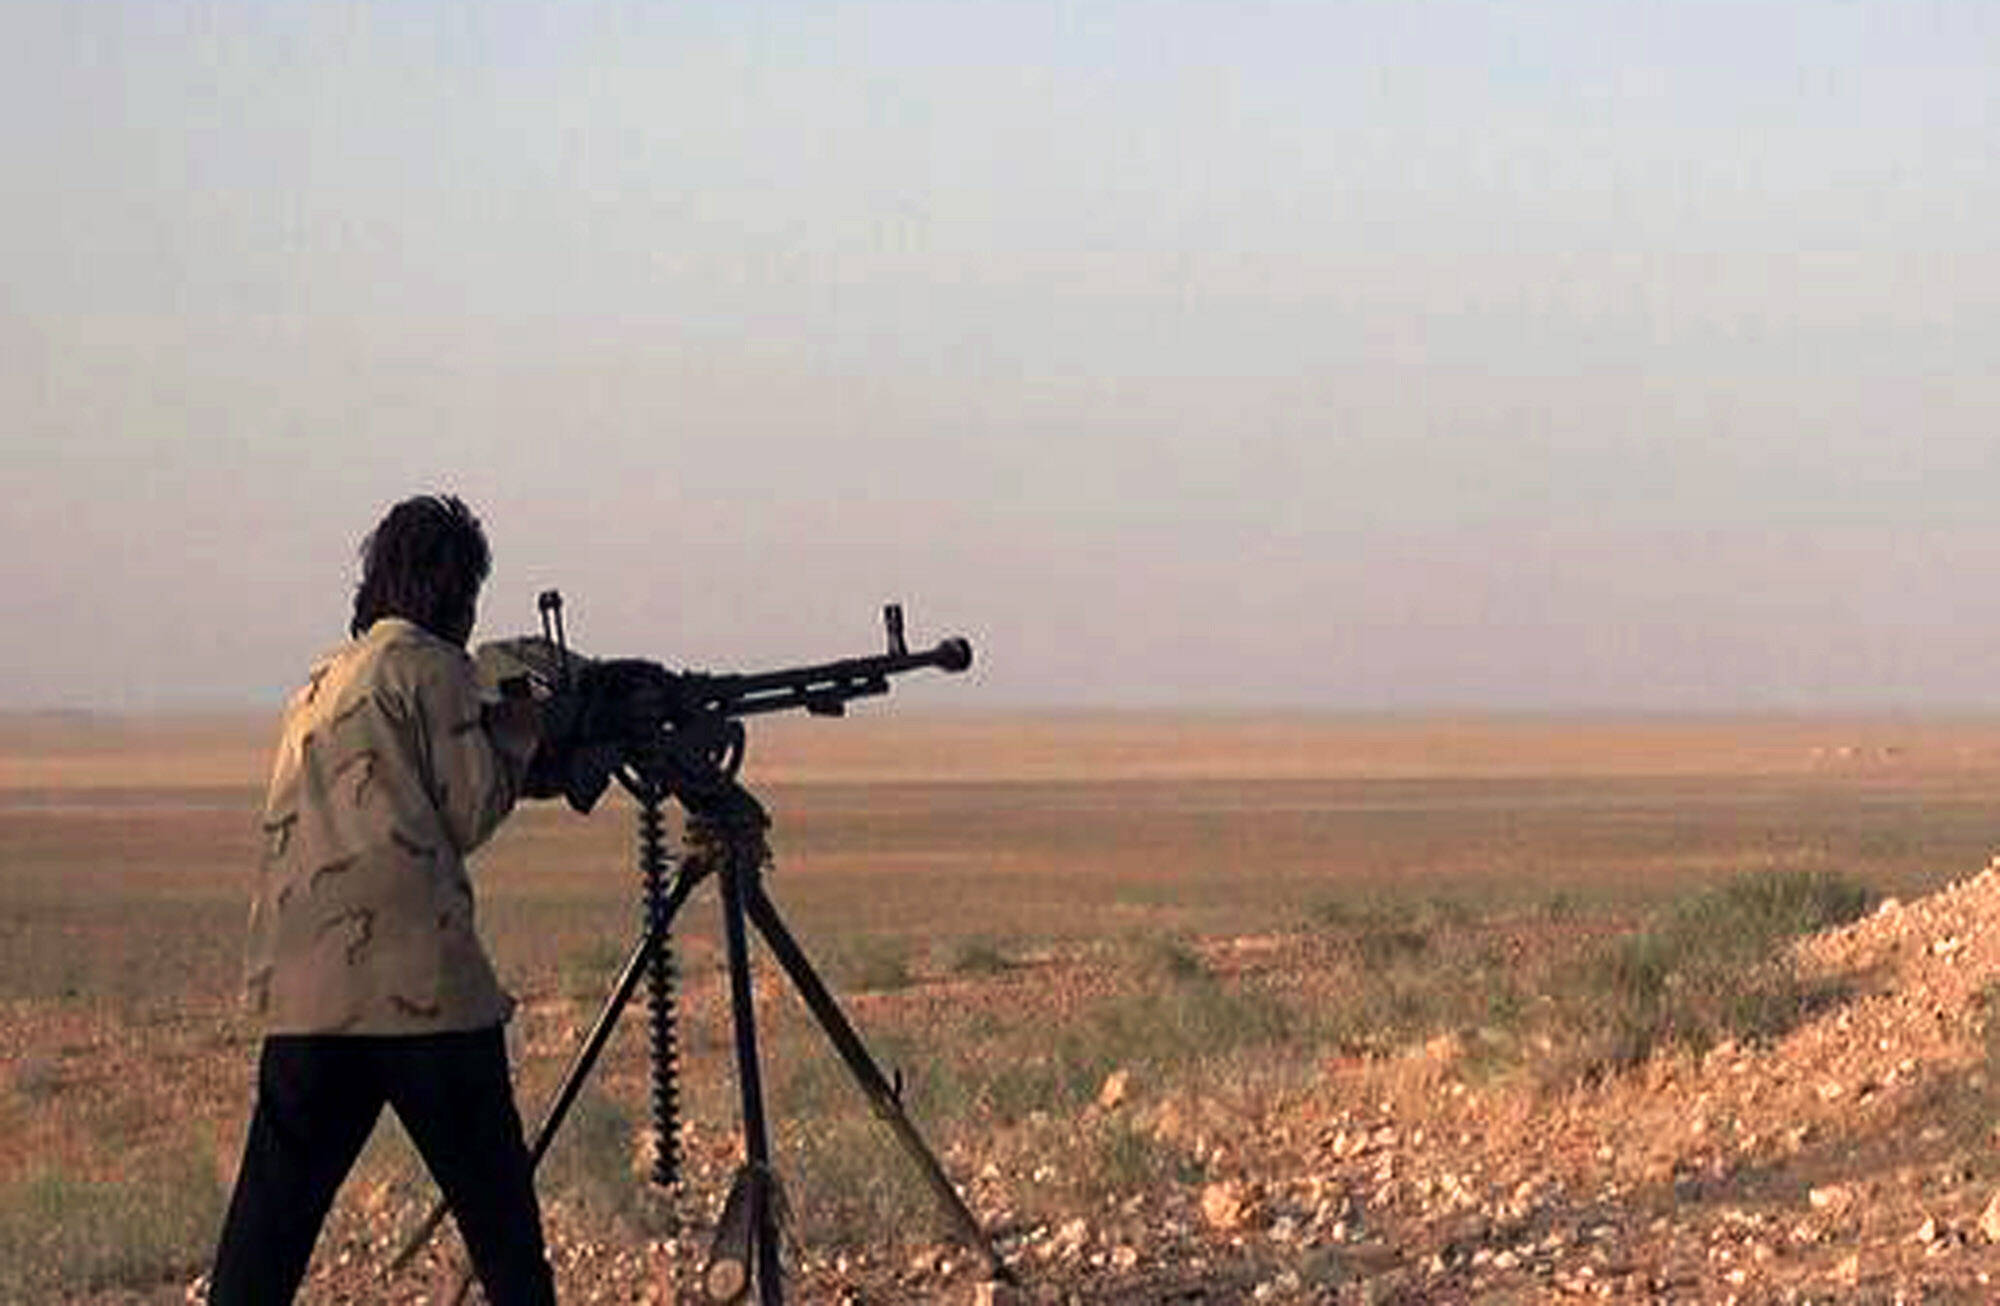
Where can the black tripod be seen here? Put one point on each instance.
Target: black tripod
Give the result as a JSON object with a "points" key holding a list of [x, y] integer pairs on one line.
{"points": [[727, 827]]}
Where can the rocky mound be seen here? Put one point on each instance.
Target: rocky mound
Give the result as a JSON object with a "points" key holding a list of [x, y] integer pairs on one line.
{"points": [[1855, 1159]]}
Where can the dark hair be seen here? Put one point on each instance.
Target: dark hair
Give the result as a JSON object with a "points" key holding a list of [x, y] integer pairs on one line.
{"points": [[424, 562]]}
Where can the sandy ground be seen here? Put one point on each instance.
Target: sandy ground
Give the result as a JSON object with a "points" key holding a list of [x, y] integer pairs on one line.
{"points": [[1853, 1161]]}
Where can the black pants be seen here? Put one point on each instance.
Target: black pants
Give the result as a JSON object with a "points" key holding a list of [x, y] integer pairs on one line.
{"points": [[318, 1097]]}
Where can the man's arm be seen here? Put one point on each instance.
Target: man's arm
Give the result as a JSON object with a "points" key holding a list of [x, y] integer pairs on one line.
{"points": [[475, 752]]}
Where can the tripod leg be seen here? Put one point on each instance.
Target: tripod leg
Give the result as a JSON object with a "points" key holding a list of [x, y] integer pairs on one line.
{"points": [[759, 1214], [636, 968], [887, 1106], [580, 1066], [754, 1200]]}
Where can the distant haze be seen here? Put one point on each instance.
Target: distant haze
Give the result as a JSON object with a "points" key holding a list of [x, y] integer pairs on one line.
{"points": [[1330, 355]]}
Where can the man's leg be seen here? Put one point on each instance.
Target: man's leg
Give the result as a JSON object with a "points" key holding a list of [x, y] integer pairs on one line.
{"points": [[315, 1108], [452, 1093]]}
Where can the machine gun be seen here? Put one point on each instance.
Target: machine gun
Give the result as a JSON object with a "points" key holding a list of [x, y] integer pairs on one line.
{"points": [[679, 732], [666, 734]]}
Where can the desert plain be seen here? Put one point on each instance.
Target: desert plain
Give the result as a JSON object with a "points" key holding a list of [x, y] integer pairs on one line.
{"points": [[1193, 1008]]}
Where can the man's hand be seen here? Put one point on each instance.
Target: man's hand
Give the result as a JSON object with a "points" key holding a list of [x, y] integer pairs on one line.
{"points": [[704, 846], [709, 843], [515, 725]]}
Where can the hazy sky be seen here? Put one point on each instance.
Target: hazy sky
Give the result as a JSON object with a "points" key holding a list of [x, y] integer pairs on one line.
{"points": [[1343, 355]]}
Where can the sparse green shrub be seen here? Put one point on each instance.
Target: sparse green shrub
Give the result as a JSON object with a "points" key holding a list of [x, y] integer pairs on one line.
{"points": [[1165, 957], [1190, 1023], [38, 1079], [809, 1080], [64, 1234], [870, 964], [1562, 905], [848, 1184], [594, 1163], [1413, 968], [1395, 1007], [1436, 911], [1119, 1158], [588, 973], [1169, 1032], [1763, 910], [811, 1084], [1988, 1003], [1058, 1074], [1381, 931], [1713, 966], [979, 957]]}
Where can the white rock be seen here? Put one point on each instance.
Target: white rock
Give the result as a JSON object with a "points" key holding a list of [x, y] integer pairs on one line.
{"points": [[996, 1293], [1989, 1223], [1224, 1205]]}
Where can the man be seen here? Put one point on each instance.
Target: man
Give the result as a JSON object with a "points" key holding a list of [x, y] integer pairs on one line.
{"points": [[363, 961]]}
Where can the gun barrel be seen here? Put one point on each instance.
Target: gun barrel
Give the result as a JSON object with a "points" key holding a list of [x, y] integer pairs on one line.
{"points": [[820, 688]]}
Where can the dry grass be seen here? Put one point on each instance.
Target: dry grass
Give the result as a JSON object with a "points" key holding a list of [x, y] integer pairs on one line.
{"points": [[1009, 908], [149, 1226]]}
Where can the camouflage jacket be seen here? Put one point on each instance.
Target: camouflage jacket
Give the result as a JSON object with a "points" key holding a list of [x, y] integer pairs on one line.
{"points": [[387, 775]]}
